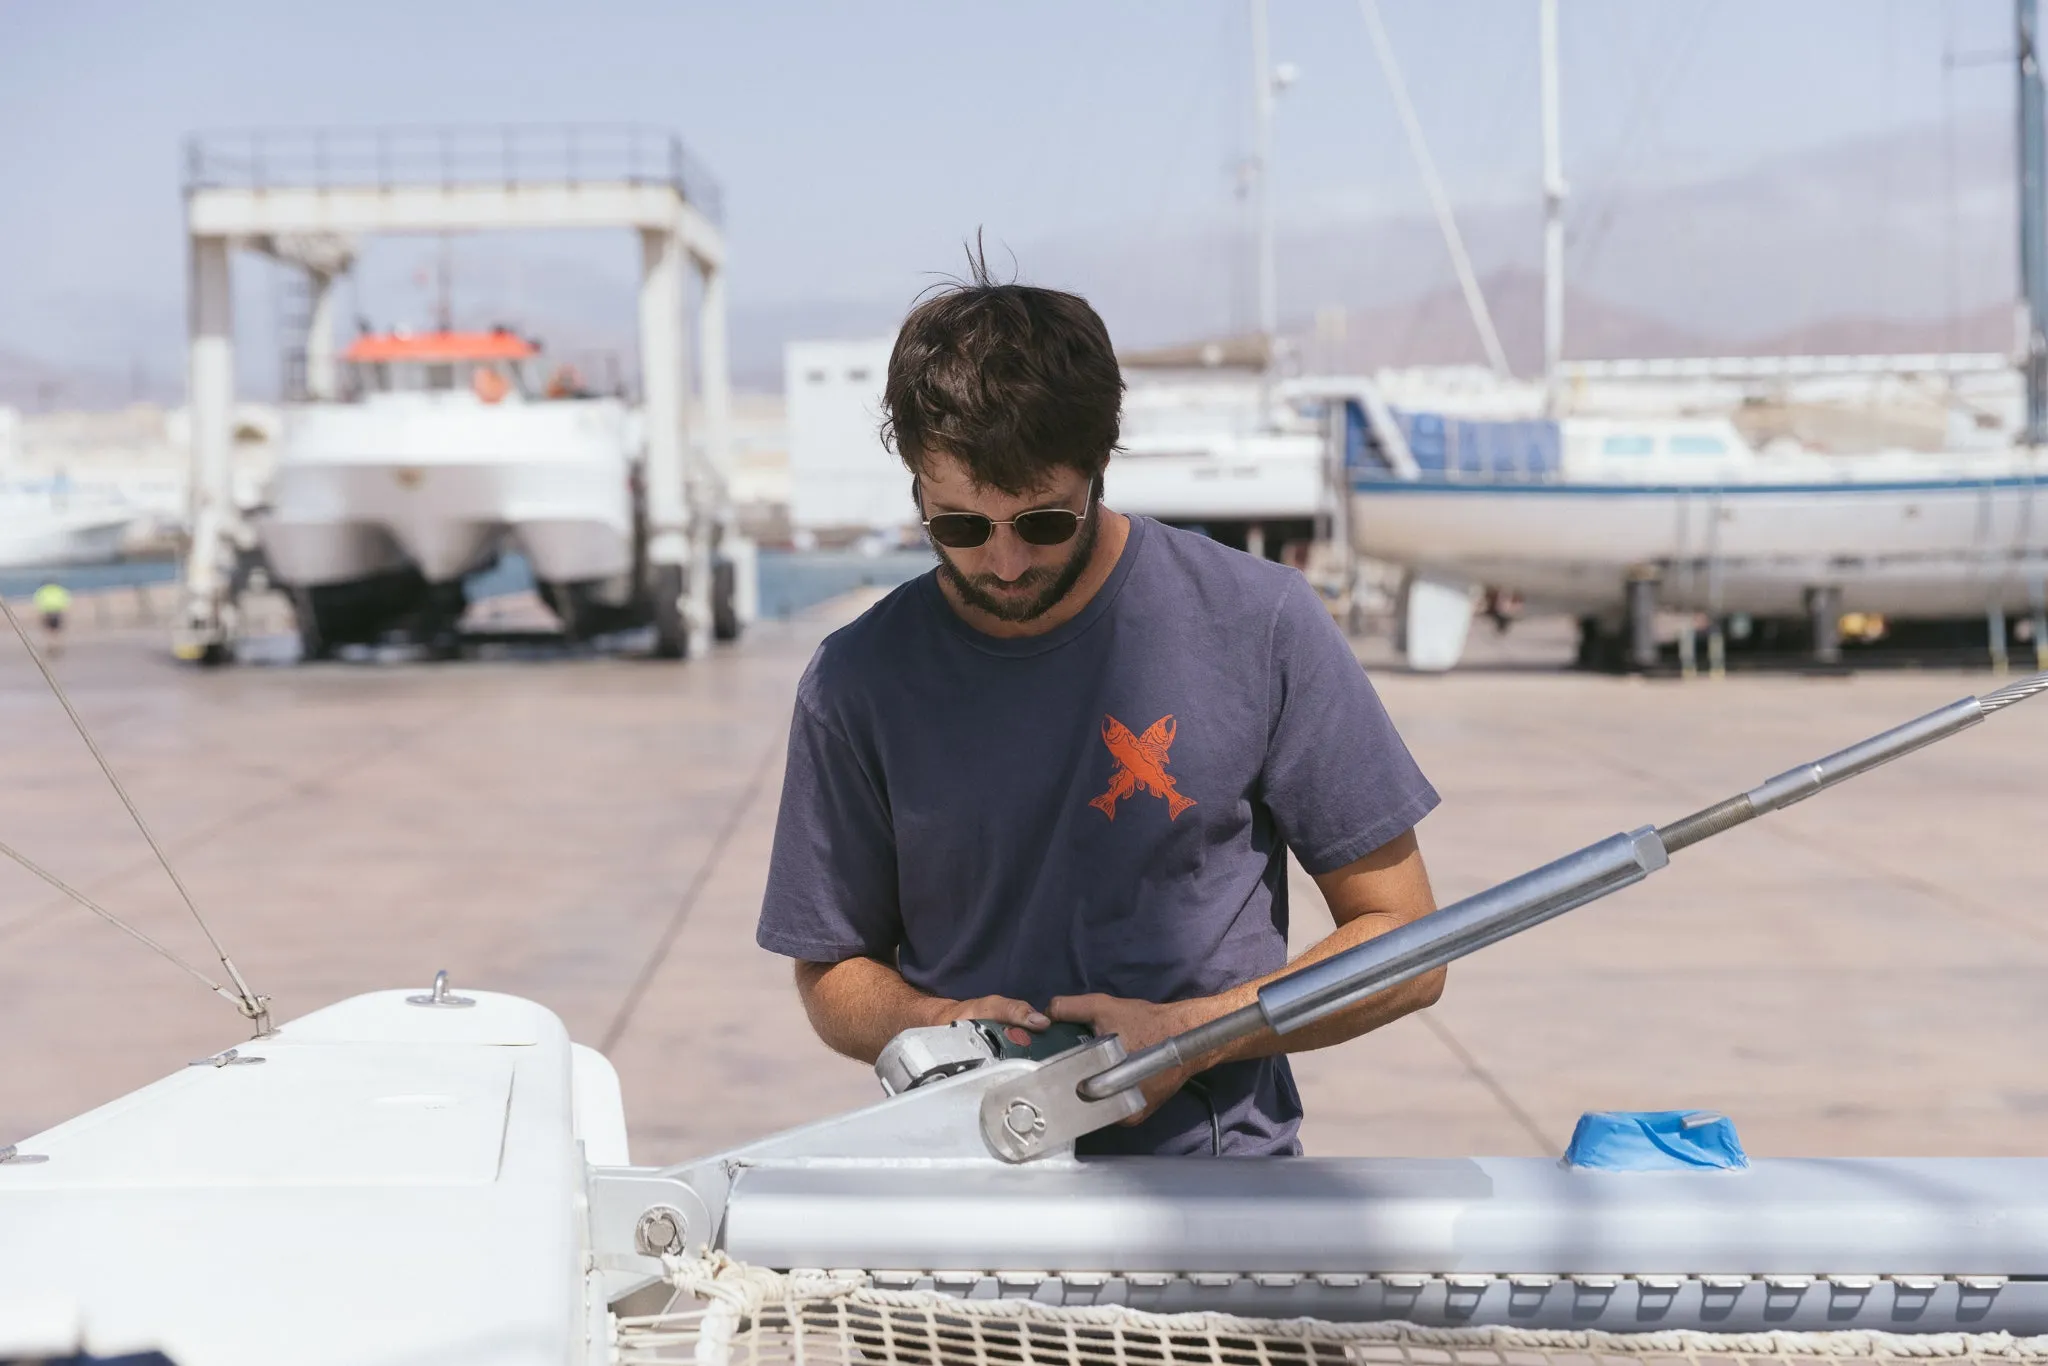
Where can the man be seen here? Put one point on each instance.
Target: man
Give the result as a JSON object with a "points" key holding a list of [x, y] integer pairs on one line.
{"points": [[52, 601], [1057, 778]]}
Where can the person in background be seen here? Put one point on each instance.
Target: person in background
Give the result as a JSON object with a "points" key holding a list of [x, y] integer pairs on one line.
{"points": [[52, 601]]}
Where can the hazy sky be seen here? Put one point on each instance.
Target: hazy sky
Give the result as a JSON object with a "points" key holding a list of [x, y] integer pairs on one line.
{"points": [[857, 144]]}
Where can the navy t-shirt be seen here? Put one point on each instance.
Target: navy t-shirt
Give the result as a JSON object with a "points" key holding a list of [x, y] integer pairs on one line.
{"points": [[1102, 808]]}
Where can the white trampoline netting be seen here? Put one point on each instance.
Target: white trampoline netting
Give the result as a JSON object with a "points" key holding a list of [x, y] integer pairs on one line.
{"points": [[727, 1314]]}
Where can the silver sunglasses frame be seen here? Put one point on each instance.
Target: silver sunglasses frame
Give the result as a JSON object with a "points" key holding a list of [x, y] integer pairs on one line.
{"points": [[1080, 519]]}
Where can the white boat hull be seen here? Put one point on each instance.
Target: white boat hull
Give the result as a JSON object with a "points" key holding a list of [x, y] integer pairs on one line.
{"points": [[444, 484], [1908, 548], [393, 1180], [1220, 486], [36, 531]]}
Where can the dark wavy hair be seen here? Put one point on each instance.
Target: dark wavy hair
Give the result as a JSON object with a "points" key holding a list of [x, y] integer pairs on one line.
{"points": [[1011, 380]]}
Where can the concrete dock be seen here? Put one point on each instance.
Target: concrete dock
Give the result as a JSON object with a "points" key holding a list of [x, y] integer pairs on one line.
{"points": [[1860, 975]]}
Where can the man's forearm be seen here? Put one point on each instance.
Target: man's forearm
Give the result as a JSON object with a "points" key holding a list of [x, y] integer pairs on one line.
{"points": [[1384, 890], [858, 1005], [1370, 1014]]}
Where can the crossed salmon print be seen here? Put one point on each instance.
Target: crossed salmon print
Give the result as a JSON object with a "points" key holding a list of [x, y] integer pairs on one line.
{"points": [[1140, 766]]}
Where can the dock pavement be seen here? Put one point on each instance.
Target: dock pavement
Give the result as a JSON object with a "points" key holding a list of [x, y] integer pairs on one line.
{"points": [[1861, 974]]}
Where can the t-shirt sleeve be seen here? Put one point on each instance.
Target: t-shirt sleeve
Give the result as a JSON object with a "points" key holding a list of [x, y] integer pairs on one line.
{"points": [[1338, 779], [832, 876]]}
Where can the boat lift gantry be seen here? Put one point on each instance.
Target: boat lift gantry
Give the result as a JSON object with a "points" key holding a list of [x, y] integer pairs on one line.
{"points": [[306, 197]]}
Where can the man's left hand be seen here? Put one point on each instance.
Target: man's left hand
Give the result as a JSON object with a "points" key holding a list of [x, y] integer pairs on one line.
{"points": [[1140, 1024]]}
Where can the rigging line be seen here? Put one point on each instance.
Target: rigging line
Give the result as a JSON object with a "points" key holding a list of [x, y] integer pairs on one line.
{"points": [[1439, 200], [1176, 161], [116, 921], [296, 789], [1584, 240], [1951, 262], [255, 1007]]}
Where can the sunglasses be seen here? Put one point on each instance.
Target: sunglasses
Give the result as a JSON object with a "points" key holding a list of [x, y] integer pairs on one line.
{"points": [[1040, 526]]}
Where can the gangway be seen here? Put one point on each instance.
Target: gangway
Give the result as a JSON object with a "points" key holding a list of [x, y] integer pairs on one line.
{"points": [[306, 198]]}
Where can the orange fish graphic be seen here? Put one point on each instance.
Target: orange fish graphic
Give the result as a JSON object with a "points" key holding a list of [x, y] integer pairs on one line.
{"points": [[1140, 766]]}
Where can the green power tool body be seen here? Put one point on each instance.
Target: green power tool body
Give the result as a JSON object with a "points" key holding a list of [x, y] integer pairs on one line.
{"points": [[1055, 1039]]}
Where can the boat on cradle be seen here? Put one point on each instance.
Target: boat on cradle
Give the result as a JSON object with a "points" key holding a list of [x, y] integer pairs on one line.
{"points": [[451, 449], [447, 1174], [54, 524], [1213, 452], [1528, 490], [1610, 518]]}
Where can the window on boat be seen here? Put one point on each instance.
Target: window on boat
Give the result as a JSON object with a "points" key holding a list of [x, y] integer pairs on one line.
{"points": [[1698, 445], [815, 377], [1628, 445], [366, 378], [857, 376]]}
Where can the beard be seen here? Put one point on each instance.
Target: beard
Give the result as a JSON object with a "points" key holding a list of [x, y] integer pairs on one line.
{"points": [[1034, 592]]}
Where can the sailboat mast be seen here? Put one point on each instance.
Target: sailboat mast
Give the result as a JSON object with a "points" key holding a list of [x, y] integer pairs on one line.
{"points": [[2033, 150], [1553, 213], [1262, 155]]}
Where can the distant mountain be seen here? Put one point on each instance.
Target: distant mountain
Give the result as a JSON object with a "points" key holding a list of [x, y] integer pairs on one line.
{"points": [[1437, 329]]}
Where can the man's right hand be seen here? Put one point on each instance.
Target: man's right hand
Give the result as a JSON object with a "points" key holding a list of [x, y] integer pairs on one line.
{"points": [[858, 1005], [999, 1008]]}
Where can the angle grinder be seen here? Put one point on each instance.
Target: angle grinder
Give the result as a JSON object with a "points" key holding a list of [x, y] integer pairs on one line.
{"points": [[917, 1056]]}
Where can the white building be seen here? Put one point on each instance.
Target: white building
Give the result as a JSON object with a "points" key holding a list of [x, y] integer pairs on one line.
{"points": [[841, 477]]}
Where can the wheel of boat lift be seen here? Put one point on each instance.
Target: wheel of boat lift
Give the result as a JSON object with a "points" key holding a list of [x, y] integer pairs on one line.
{"points": [[671, 628], [725, 609]]}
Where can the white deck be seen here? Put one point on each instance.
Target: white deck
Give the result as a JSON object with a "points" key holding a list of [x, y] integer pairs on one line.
{"points": [[420, 1160]]}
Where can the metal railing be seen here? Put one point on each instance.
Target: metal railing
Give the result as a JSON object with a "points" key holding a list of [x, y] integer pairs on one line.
{"points": [[508, 155]]}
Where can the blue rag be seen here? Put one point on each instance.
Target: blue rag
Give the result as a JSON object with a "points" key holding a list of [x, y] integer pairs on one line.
{"points": [[1655, 1140]]}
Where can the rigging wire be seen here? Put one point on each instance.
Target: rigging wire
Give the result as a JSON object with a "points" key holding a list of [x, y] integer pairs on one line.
{"points": [[1439, 200], [1203, 80], [1887, 82], [116, 921], [1585, 239], [1951, 261], [253, 1007]]}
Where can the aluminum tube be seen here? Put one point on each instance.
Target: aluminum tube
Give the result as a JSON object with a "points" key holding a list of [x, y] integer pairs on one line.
{"points": [[1322, 989], [1796, 785]]}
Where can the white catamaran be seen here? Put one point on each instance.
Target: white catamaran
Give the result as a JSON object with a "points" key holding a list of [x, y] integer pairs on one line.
{"points": [[440, 1176]]}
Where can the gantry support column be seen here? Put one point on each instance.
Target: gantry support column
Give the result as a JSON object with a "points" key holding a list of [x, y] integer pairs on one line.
{"points": [[715, 375], [676, 549], [204, 624], [714, 411], [322, 375]]}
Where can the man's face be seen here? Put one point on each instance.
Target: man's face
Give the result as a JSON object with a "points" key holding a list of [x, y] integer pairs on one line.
{"points": [[1006, 577]]}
